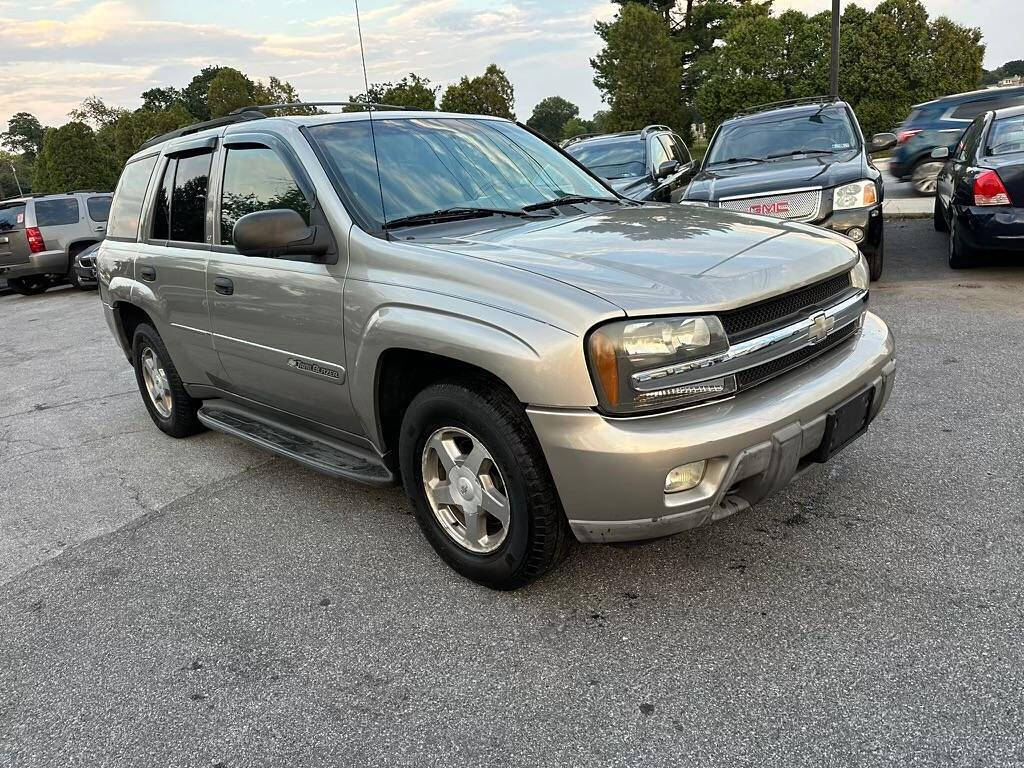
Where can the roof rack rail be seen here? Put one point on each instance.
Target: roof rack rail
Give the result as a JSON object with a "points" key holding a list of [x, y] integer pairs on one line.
{"points": [[88, 192], [806, 100], [238, 116], [578, 137], [652, 129], [293, 104]]}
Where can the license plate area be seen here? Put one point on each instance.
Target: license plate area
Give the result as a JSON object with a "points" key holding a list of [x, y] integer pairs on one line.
{"points": [[845, 423]]}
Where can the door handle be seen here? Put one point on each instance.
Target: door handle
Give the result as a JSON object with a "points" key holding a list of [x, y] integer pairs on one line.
{"points": [[223, 286], [147, 273]]}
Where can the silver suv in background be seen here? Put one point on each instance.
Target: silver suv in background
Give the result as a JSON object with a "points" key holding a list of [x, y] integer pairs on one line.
{"points": [[450, 302], [40, 237]]}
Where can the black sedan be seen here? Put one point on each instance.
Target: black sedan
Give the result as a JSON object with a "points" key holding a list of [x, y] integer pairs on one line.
{"points": [[980, 192]]}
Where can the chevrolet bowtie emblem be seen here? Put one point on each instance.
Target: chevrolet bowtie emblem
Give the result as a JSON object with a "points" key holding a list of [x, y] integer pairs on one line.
{"points": [[821, 326]]}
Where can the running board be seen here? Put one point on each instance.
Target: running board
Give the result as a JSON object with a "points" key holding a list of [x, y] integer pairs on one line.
{"points": [[323, 454]]}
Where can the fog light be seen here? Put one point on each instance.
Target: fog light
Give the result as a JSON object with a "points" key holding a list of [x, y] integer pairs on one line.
{"points": [[685, 477], [856, 234]]}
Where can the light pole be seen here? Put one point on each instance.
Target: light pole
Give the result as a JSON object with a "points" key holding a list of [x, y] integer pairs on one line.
{"points": [[15, 172], [834, 74]]}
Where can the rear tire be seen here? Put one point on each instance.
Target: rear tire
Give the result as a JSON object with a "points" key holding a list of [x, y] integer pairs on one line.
{"points": [[939, 217], [29, 286], [76, 281], [169, 405], [960, 256], [534, 535]]}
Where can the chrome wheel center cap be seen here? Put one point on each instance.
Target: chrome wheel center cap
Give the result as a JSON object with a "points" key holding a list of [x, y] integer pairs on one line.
{"points": [[465, 487]]}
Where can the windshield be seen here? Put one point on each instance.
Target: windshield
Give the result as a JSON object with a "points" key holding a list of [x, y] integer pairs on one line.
{"points": [[1006, 136], [436, 164], [612, 160], [823, 132]]}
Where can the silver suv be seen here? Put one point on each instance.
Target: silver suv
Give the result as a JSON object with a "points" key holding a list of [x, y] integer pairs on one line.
{"points": [[450, 302], [41, 236]]}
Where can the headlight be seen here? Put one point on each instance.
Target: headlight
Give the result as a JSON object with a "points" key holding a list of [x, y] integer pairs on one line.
{"points": [[860, 275], [857, 195], [631, 362]]}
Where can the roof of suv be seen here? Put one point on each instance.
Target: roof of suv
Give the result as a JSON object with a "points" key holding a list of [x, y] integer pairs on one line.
{"points": [[611, 137], [796, 110], [956, 98]]}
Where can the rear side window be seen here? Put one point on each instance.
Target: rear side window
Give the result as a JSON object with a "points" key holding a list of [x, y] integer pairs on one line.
{"points": [[179, 210], [99, 208], [126, 208], [256, 179], [1006, 136], [12, 217], [659, 152], [52, 213], [972, 109]]}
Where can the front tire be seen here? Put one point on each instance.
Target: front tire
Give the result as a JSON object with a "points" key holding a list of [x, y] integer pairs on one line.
{"points": [[29, 286], [480, 488], [876, 259], [925, 176], [169, 405]]}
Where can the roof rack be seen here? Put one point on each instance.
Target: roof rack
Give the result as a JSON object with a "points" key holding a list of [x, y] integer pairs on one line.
{"points": [[88, 192], [806, 100], [579, 137], [652, 129], [238, 116], [292, 105]]}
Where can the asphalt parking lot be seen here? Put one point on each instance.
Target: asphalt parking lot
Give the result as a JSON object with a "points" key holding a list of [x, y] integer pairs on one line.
{"points": [[199, 603]]}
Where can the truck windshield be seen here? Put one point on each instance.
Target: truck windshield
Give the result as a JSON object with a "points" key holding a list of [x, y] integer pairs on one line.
{"points": [[426, 165], [774, 136], [623, 159]]}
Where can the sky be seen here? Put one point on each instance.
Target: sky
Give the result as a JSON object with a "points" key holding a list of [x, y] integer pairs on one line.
{"points": [[57, 52]]}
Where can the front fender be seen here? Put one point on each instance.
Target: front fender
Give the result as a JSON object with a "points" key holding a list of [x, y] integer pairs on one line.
{"points": [[544, 366]]}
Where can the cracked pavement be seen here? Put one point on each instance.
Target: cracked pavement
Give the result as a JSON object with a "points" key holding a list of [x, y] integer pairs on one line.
{"points": [[199, 603]]}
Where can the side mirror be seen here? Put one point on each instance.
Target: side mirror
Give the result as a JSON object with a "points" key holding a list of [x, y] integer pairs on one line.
{"points": [[940, 153], [667, 169], [277, 232], [883, 141]]}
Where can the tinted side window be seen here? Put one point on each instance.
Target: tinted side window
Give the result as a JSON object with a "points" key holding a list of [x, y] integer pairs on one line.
{"points": [[52, 213], [126, 209], [99, 208], [161, 227], [971, 109], [969, 140], [659, 154], [681, 152], [256, 179], [188, 200]]}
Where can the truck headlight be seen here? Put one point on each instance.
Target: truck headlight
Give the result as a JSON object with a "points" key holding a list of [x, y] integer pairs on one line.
{"points": [[859, 194], [860, 275], [617, 351]]}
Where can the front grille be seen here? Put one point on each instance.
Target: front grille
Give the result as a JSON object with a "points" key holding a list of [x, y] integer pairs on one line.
{"points": [[761, 373], [780, 205], [755, 319]]}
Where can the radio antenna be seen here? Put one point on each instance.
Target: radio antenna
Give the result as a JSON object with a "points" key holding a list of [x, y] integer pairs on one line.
{"points": [[362, 53]]}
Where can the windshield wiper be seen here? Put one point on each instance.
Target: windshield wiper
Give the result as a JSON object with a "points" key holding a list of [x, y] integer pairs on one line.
{"points": [[799, 152], [454, 214], [568, 200], [738, 160]]}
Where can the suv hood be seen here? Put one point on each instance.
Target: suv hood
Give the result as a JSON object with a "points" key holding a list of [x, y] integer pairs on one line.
{"points": [[660, 258], [712, 184]]}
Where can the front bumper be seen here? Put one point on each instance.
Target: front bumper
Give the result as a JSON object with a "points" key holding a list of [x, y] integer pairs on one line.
{"points": [[867, 220], [610, 473], [991, 227], [42, 263]]}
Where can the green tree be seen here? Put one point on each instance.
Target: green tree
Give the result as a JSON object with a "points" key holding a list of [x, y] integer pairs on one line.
{"points": [[1013, 68], [133, 129], [24, 134], [229, 90], [488, 94], [639, 72], [411, 91], [551, 115], [72, 158], [574, 126], [195, 94], [16, 170], [95, 112], [956, 54], [159, 99]]}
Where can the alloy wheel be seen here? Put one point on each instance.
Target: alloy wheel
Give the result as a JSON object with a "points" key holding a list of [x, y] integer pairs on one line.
{"points": [[465, 490], [157, 385], [925, 178]]}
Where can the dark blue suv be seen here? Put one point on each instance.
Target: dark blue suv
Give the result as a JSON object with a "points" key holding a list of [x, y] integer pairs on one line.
{"points": [[941, 123]]}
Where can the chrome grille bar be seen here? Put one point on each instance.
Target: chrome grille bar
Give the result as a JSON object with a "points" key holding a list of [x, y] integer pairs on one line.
{"points": [[756, 351]]}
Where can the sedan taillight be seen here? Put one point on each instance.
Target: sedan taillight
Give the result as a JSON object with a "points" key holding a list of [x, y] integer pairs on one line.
{"points": [[35, 239], [989, 189], [904, 136]]}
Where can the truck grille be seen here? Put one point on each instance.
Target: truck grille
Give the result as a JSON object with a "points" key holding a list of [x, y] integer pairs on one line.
{"points": [[755, 319], [802, 206], [753, 376]]}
